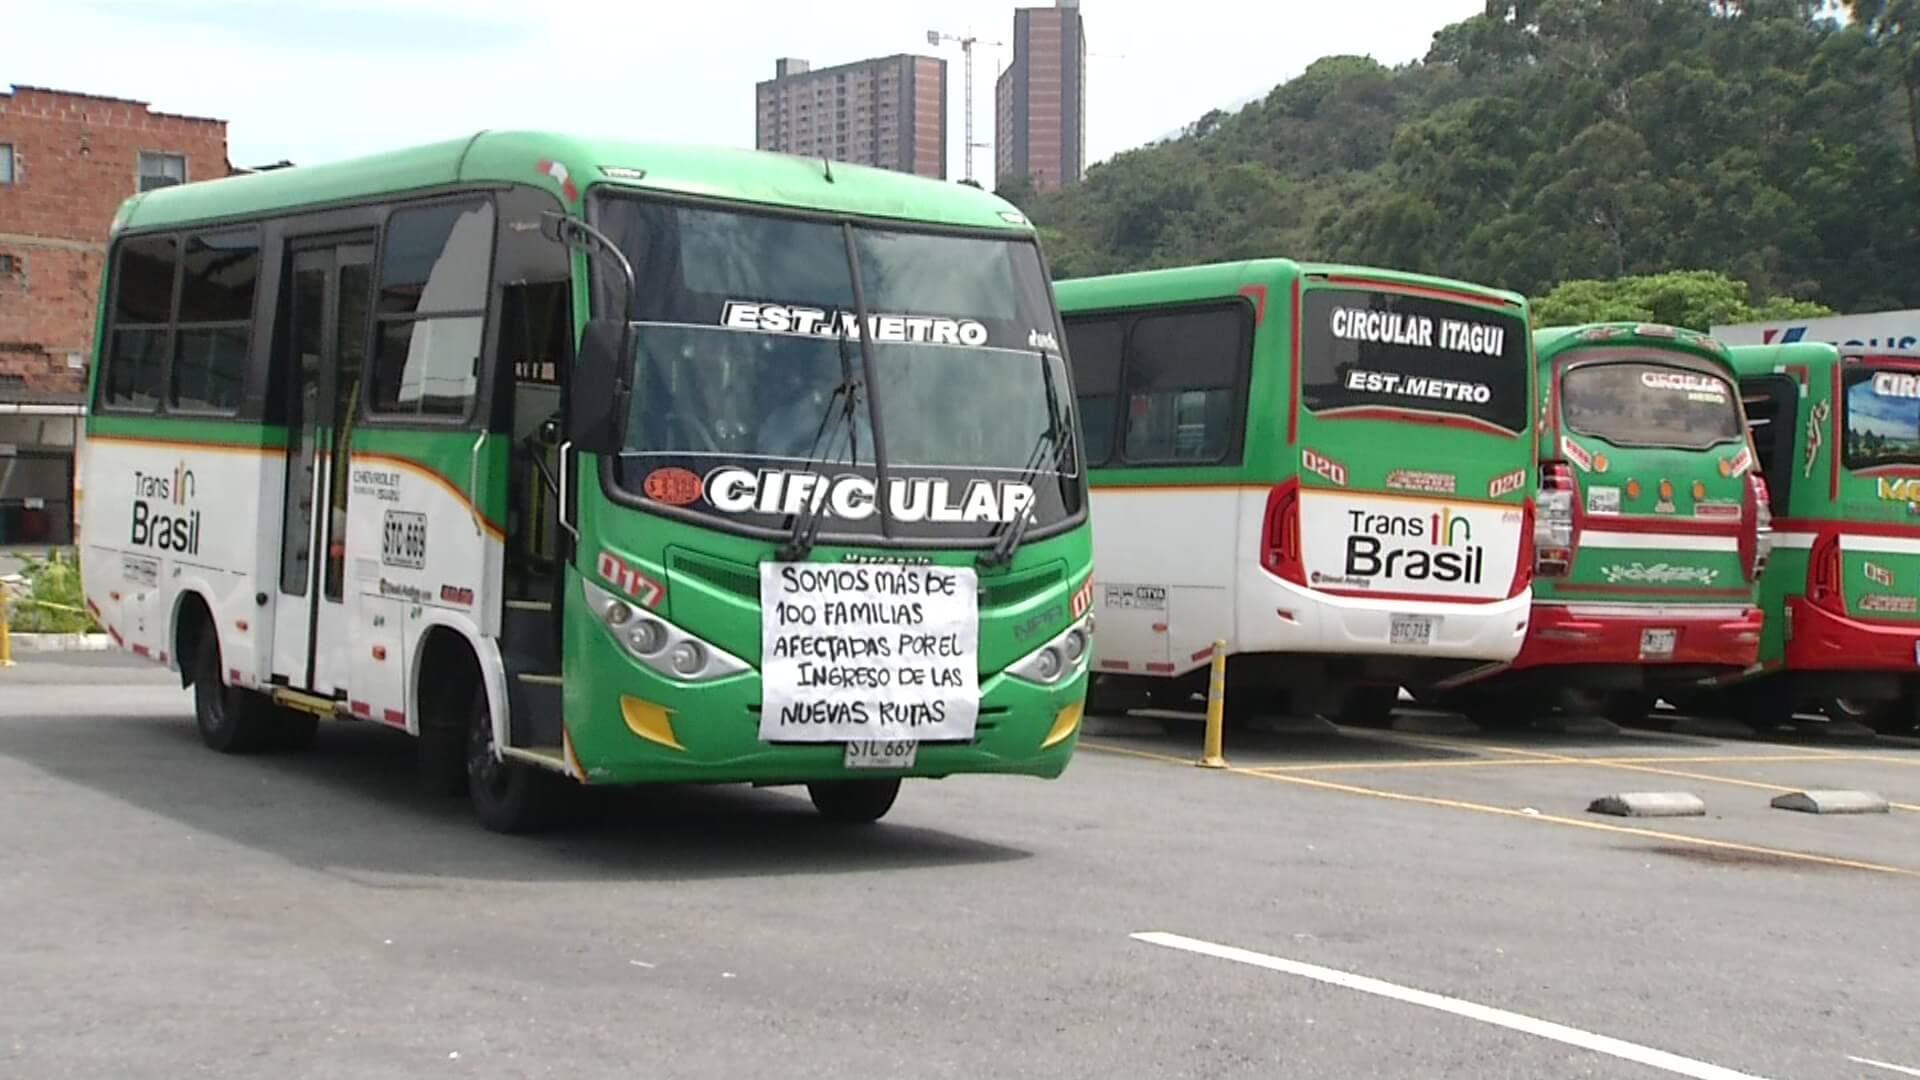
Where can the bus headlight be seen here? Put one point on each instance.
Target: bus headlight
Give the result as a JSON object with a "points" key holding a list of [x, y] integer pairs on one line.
{"points": [[688, 658], [1058, 659], [647, 638], [1074, 645], [658, 643], [617, 613]]}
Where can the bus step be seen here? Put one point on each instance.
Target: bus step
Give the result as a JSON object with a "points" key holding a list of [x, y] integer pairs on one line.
{"points": [[546, 757], [536, 703], [526, 636]]}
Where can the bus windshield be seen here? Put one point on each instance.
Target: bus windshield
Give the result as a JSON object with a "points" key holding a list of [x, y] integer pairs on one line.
{"points": [[1883, 417], [749, 346], [1630, 403], [1364, 351]]}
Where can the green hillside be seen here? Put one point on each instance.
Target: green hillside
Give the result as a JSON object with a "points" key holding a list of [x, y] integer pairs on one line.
{"points": [[1546, 141]]}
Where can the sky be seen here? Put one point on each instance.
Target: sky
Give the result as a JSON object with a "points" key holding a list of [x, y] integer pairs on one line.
{"points": [[308, 81]]}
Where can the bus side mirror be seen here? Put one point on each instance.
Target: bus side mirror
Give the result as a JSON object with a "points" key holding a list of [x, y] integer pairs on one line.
{"points": [[592, 423]]}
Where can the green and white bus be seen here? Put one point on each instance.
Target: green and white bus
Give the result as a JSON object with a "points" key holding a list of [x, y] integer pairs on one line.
{"points": [[598, 462], [1329, 468]]}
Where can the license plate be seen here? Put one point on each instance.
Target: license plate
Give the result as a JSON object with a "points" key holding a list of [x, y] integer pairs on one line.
{"points": [[881, 754], [1655, 643], [1411, 630]]}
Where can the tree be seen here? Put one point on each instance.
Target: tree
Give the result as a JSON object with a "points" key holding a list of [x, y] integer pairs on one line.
{"points": [[1694, 299], [1549, 141]]}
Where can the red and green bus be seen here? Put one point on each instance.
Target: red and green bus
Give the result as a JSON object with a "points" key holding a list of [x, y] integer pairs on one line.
{"points": [[1837, 431], [1644, 447]]}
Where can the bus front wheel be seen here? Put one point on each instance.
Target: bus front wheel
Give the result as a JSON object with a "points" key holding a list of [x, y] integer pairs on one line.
{"points": [[853, 802], [231, 720], [508, 796]]}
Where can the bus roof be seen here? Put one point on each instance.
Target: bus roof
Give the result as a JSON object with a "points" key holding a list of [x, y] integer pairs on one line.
{"points": [[1182, 283], [567, 165], [1550, 339], [1751, 360]]}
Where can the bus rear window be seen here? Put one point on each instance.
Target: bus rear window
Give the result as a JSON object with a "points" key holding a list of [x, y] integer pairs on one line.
{"points": [[1364, 351], [1630, 403], [1883, 418]]}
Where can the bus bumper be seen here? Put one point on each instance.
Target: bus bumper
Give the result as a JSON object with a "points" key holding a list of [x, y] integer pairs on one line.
{"points": [[629, 724], [1819, 640], [1567, 634], [1277, 616]]}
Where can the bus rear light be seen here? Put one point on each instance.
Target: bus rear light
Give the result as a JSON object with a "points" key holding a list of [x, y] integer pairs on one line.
{"points": [[1553, 522], [1825, 585], [1280, 533], [1756, 540]]}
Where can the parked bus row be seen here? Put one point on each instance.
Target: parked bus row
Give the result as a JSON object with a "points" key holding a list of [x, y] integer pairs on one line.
{"points": [[1362, 480], [601, 462]]}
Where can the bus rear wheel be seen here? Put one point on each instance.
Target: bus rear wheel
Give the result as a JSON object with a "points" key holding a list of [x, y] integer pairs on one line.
{"points": [[853, 802], [1896, 717], [231, 720], [508, 796]]}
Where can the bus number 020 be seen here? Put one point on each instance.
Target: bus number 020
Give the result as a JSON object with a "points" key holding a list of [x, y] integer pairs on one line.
{"points": [[404, 542]]}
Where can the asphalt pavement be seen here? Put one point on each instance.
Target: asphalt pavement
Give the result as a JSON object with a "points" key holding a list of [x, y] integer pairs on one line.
{"points": [[1336, 904]]}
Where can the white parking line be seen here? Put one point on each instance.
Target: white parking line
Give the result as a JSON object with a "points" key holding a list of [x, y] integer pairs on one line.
{"points": [[1902, 1069], [1545, 1029]]}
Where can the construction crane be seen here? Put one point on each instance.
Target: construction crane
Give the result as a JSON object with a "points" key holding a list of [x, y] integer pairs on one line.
{"points": [[967, 42]]}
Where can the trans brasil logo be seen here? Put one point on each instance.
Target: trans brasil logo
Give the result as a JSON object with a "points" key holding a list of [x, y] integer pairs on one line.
{"points": [[161, 519], [1437, 547]]}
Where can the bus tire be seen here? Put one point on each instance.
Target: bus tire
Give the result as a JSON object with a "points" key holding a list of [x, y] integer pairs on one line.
{"points": [[1896, 717], [853, 802], [231, 720], [507, 796]]}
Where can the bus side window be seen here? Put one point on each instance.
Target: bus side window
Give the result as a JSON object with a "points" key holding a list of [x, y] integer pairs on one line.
{"points": [[1182, 377], [1772, 404], [142, 334], [1094, 345], [432, 306]]}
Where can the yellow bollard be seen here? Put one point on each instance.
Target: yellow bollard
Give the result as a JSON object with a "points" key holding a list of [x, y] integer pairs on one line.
{"points": [[1216, 709], [6, 636]]}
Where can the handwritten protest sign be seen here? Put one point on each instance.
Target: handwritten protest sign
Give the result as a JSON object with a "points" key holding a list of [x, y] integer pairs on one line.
{"points": [[854, 653]]}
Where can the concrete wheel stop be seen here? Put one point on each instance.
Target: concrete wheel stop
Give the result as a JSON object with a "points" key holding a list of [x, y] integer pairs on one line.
{"points": [[1649, 804], [1832, 802]]}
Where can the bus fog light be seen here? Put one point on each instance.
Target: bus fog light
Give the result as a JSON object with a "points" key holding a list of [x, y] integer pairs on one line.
{"points": [[616, 613], [648, 637], [688, 658], [1075, 646]]}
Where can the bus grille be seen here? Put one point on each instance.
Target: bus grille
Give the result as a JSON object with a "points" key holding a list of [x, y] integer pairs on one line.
{"points": [[721, 574]]}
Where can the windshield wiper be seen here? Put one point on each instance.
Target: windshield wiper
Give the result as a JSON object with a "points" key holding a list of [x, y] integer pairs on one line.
{"points": [[1016, 531], [806, 521]]}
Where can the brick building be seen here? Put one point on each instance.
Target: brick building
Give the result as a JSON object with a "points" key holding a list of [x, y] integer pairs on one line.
{"points": [[890, 112], [1040, 100], [67, 161]]}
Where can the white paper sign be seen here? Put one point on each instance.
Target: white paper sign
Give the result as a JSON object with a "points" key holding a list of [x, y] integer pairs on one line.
{"points": [[858, 652]]}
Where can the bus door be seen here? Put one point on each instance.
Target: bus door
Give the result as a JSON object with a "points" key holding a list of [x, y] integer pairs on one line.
{"points": [[327, 341]]}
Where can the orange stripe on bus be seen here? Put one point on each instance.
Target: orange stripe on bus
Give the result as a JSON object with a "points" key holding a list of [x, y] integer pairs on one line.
{"points": [[193, 444], [434, 475]]}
